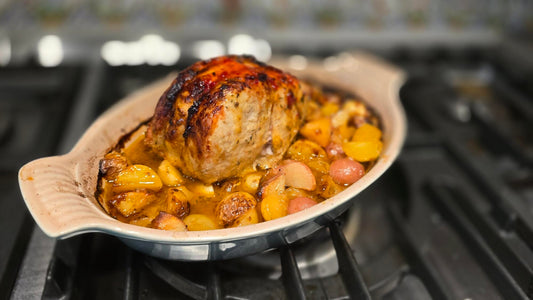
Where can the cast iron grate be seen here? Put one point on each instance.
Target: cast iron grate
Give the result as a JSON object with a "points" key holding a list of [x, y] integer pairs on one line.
{"points": [[291, 278], [34, 103]]}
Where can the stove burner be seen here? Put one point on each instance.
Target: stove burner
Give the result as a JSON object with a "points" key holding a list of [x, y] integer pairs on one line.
{"points": [[314, 255]]}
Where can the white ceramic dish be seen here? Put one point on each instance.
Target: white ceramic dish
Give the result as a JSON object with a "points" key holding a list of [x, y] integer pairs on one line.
{"points": [[59, 190]]}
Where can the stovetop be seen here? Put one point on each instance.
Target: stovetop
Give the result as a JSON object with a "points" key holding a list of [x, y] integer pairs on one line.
{"points": [[452, 219]]}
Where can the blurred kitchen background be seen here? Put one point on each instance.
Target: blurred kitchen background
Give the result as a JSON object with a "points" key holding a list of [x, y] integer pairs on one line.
{"points": [[134, 32]]}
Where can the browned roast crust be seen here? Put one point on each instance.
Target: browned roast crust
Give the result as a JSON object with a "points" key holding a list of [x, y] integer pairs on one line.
{"points": [[198, 122]]}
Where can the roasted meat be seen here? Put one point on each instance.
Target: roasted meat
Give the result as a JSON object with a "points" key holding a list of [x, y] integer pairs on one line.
{"points": [[224, 115]]}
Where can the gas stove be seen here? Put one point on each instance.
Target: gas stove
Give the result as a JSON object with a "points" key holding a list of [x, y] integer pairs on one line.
{"points": [[452, 219]]}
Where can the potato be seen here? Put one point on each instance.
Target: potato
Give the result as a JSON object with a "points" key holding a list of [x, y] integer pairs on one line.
{"points": [[318, 166], [130, 203], [313, 111], [248, 218], [305, 151], [353, 107], [250, 182], [346, 171], [291, 193], [366, 133], [137, 177], [169, 174], [334, 151], [202, 190], [167, 221], [317, 131], [274, 206], [349, 109], [178, 201], [340, 118], [344, 133], [144, 221], [272, 183], [105, 194], [363, 151], [112, 164], [233, 206], [299, 204], [328, 187], [229, 185], [329, 109], [199, 222], [298, 175]]}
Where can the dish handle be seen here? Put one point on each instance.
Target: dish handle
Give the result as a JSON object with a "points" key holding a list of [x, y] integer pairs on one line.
{"points": [[53, 197]]}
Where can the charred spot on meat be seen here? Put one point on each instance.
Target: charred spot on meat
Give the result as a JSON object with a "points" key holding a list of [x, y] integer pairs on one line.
{"points": [[214, 103]]}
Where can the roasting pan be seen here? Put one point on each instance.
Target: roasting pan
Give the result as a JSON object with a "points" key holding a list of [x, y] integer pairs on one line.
{"points": [[59, 191]]}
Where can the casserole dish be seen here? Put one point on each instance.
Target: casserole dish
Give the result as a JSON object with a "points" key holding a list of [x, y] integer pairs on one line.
{"points": [[59, 191]]}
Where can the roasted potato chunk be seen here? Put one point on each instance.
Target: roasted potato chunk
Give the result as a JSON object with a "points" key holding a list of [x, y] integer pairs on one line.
{"points": [[251, 182], [328, 187], [178, 201], [248, 218], [130, 203], [298, 175], [229, 185], [363, 151], [202, 190], [305, 151], [273, 183], [112, 164], [137, 177], [167, 221], [169, 174], [274, 206], [199, 222], [233, 206], [317, 131]]}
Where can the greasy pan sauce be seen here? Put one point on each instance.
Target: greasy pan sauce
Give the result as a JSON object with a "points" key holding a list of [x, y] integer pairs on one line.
{"points": [[338, 143]]}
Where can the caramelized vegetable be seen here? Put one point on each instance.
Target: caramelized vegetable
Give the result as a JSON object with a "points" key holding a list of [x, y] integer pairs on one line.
{"points": [[366, 132], [298, 175], [329, 109], [169, 174], [132, 202], [137, 177], [168, 222], [178, 201], [274, 206], [203, 190], [363, 151], [306, 151], [112, 164], [272, 184], [299, 204], [198, 222], [251, 182], [317, 131], [142, 188], [327, 187], [346, 171], [248, 218], [234, 206]]}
